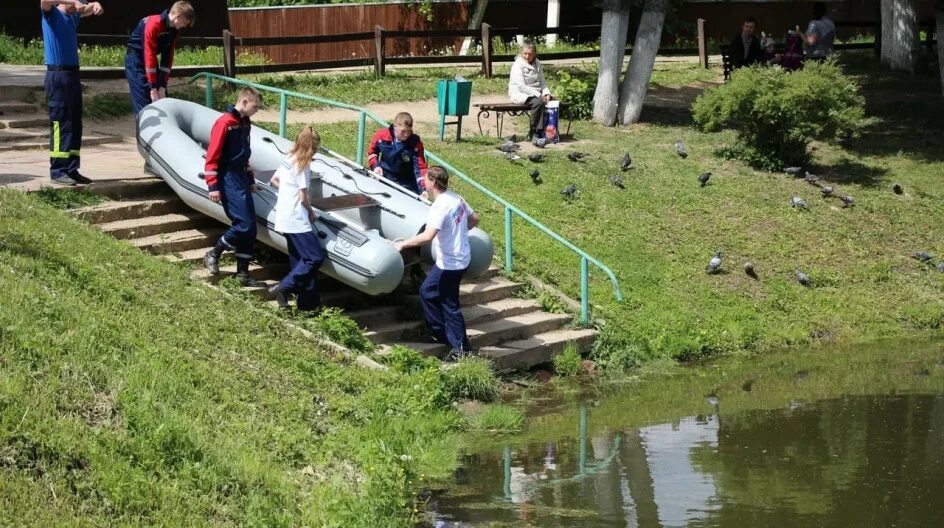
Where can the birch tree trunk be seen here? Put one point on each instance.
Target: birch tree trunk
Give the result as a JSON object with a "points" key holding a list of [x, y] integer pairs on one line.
{"points": [[642, 60], [900, 34], [612, 50], [475, 21]]}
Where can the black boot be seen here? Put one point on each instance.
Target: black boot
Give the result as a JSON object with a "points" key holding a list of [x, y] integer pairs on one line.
{"points": [[280, 294], [212, 258], [242, 273]]}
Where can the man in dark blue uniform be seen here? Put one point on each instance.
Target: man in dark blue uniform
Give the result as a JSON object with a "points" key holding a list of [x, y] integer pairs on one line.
{"points": [[63, 88], [154, 36]]}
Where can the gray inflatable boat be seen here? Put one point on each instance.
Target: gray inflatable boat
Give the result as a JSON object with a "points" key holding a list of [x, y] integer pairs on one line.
{"points": [[359, 214]]}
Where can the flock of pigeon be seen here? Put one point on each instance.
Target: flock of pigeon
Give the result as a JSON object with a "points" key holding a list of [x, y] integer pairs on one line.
{"points": [[509, 147]]}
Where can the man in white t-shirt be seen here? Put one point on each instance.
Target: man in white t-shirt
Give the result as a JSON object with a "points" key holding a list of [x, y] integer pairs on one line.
{"points": [[294, 218], [447, 227]]}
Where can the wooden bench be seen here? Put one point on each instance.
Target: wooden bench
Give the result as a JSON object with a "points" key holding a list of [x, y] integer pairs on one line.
{"points": [[512, 109]]}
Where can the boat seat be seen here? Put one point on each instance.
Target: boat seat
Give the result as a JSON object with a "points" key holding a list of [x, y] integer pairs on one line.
{"points": [[344, 201]]}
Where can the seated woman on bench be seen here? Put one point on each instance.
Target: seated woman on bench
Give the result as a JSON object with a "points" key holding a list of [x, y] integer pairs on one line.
{"points": [[527, 86]]}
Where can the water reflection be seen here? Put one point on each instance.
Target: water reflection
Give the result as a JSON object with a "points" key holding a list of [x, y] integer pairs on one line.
{"points": [[855, 461]]}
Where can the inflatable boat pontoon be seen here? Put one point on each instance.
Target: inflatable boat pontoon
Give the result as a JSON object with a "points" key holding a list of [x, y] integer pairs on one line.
{"points": [[359, 214]]}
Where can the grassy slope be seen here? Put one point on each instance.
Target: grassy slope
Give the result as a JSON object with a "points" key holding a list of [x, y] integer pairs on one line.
{"points": [[130, 395], [659, 233]]}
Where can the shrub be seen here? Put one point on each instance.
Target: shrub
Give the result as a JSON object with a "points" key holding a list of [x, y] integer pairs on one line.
{"points": [[471, 378], [406, 360], [498, 418], [342, 330], [567, 363], [777, 113], [575, 89]]}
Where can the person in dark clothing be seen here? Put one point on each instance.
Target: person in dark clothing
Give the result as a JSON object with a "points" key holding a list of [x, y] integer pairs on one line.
{"points": [[745, 46], [231, 183], [63, 88], [396, 153], [154, 35]]}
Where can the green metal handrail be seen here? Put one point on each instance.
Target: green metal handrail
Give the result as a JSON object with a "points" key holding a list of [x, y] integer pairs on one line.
{"points": [[510, 210]]}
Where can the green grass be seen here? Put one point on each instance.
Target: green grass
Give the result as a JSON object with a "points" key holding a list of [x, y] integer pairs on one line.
{"points": [[497, 418], [68, 198], [471, 378], [13, 51], [131, 395], [567, 363]]}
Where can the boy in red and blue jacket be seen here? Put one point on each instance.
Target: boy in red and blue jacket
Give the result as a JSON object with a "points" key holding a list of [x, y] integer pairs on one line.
{"points": [[396, 153], [154, 35], [230, 182]]}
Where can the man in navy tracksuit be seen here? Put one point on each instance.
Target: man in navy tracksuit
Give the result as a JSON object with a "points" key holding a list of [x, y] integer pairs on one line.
{"points": [[396, 153], [231, 183], [154, 35], [63, 88]]}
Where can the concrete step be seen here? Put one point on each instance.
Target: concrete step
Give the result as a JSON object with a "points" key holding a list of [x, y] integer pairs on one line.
{"points": [[392, 331], [13, 136], [488, 290], [178, 241], [115, 211], [256, 271], [43, 142], [157, 225], [13, 107], [132, 188], [489, 273], [19, 91], [538, 349], [25, 121]]}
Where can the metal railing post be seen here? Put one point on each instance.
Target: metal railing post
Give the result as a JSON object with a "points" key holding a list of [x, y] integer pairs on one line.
{"points": [[361, 131], [283, 112], [584, 291], [508, 217], [209, 93]]}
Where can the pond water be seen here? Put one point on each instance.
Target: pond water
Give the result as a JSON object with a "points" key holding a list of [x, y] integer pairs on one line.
{"points": [[842, 437]]}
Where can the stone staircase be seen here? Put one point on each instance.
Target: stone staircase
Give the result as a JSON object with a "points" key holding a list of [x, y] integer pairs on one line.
{"points": [[513, 331], [25, 126]]}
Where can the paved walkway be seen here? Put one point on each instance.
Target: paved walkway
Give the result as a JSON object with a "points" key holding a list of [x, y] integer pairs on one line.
{"points": [[28, 170]]}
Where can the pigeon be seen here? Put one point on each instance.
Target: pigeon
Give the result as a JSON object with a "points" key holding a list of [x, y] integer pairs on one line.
{"points": [[749, 270], [576, 156], [898, 189], [811, 179], [923, 256], [569, 191], [536, 157], [826, 191], [794, 171], [798, 202], [801, 277], [512, 157], [512, 138], [703, 178], [536, 177], [680, 149], [940, 266], [626, 163], [715, 263], [509, 146], [617, 181], [847, 201]]}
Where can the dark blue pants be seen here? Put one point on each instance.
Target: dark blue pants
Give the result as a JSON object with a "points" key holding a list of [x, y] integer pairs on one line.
{"points": [[305, 256], [241, 210], [439, 295], [407, 182], [138, 85], [64, 97]]}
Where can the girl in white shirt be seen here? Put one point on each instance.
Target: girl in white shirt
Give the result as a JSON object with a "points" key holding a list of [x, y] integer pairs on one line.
{"points": [[294, 219]]}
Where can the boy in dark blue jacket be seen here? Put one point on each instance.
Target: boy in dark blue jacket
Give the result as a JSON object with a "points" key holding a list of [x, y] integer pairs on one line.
{"points": [[231, 183], [63, 88], [154, 35], [396, 153]]}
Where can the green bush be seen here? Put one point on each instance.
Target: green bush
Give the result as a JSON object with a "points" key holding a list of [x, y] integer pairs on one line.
{"points": [[471, 378], [567, 363], [575, 89], [777, 113], [497, 418], [342, 329], [406, 360]]}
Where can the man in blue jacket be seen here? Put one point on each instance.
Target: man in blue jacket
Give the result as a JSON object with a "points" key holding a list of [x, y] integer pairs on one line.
{"points": [[396, 153], [63, 87]]}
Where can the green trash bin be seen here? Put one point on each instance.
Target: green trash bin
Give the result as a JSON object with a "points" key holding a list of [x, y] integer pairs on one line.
{"points": [[454, 98]]}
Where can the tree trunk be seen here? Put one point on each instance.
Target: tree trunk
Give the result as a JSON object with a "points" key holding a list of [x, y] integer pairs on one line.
{"points": [[612, 50], [475, 21], [900, 34], [642, 60], [939, 35]]}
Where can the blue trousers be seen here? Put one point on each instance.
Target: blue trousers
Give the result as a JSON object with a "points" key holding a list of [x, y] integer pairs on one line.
{"points": [[305, 256], [64, 97], [439, 295], [241, 210], [138, 85]]}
